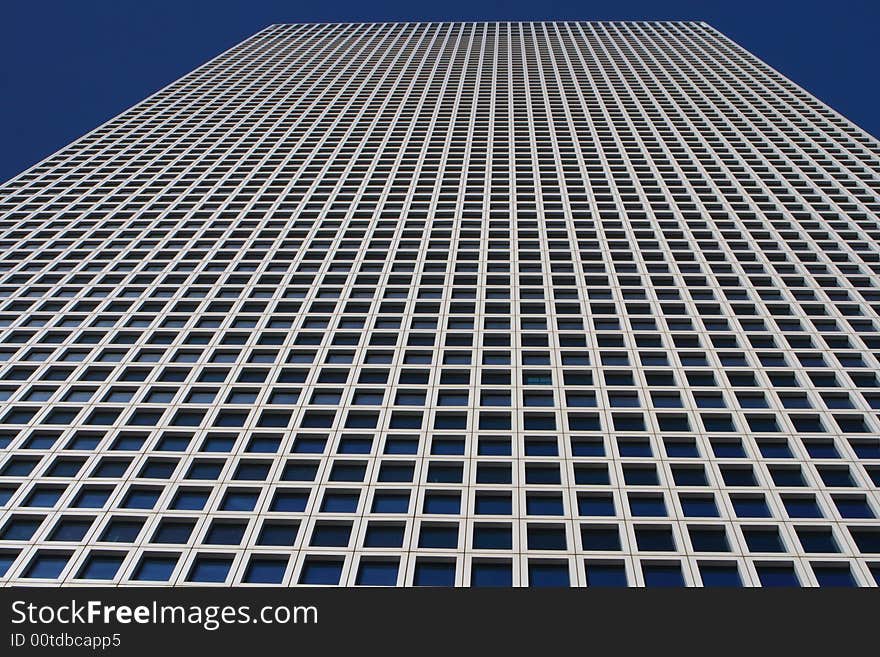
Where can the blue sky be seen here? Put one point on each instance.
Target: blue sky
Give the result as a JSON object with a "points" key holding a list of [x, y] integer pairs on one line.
{"points": [[69, 65]]}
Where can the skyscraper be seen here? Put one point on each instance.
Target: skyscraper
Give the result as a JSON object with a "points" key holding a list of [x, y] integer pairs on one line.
{"points": [[566, 303]]}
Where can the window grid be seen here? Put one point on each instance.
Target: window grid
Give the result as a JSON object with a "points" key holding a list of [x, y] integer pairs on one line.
{"points": [[529, 304]]}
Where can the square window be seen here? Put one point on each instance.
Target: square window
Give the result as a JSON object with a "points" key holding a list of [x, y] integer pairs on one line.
{"points": [[155, 568], [647, 505], [390, 502], [46, 565], [601, 538], [606, 574], [188, 499], [265, 570], [225, 533], [834, 575], [720, 575], [655, 539], [100, 566], [278, 533], [122, 530], [71, 528], [662, 575], [438, 536], [750, 507], [709, 539], [763, 540], [377, 573], [491, 574], [434, 573], [321, 572], [817, 539], [383, 536], [549, 574], [546, 538], [777, 575]]}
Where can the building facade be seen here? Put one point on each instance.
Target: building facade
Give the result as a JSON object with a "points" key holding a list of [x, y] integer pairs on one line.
{"points": [[565, 303]]}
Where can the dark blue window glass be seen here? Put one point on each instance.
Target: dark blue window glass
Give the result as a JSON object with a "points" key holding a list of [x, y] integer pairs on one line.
{"points": [[438, 536], [278, 533], [681, 448], [490, 447], [750, 507], [854, 507], [39, 497], [265, 570], [21, 528], [122, 530], [549, 574], [377, 573], [546, 538], [434, 573], [541, 474], [348, 472], [100, 567], [634, 448], [340, 502], [251, 471], [295, 471], [834, 576], [596, 505], [71, 529], [389, 472], [46, 565], [155, 568], [401, 446], [763, 540], [488, 504], [587, 447], [239, 501], [173, 532], [591, 475], [91, 498], [801, 507], [640, 505], [709, 539], [544, 505], [640, 475], [601, 538], [209, 569], [699, 506], [330, 535], [720, 575], [493, 537], [606, 575], [817, 540], [689, 476], [225, 533], [293, 501], [141, 498], [190, 500], [6, 493], [6, 560], [662, 575], [391, 503], [317, 571], [442, 503], [384, 536], [655, 539], [867, 539], [491, 573], [777, 575]]}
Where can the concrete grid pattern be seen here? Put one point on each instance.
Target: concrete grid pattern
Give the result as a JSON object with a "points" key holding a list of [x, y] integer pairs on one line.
{"points": [[566, 304]]}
